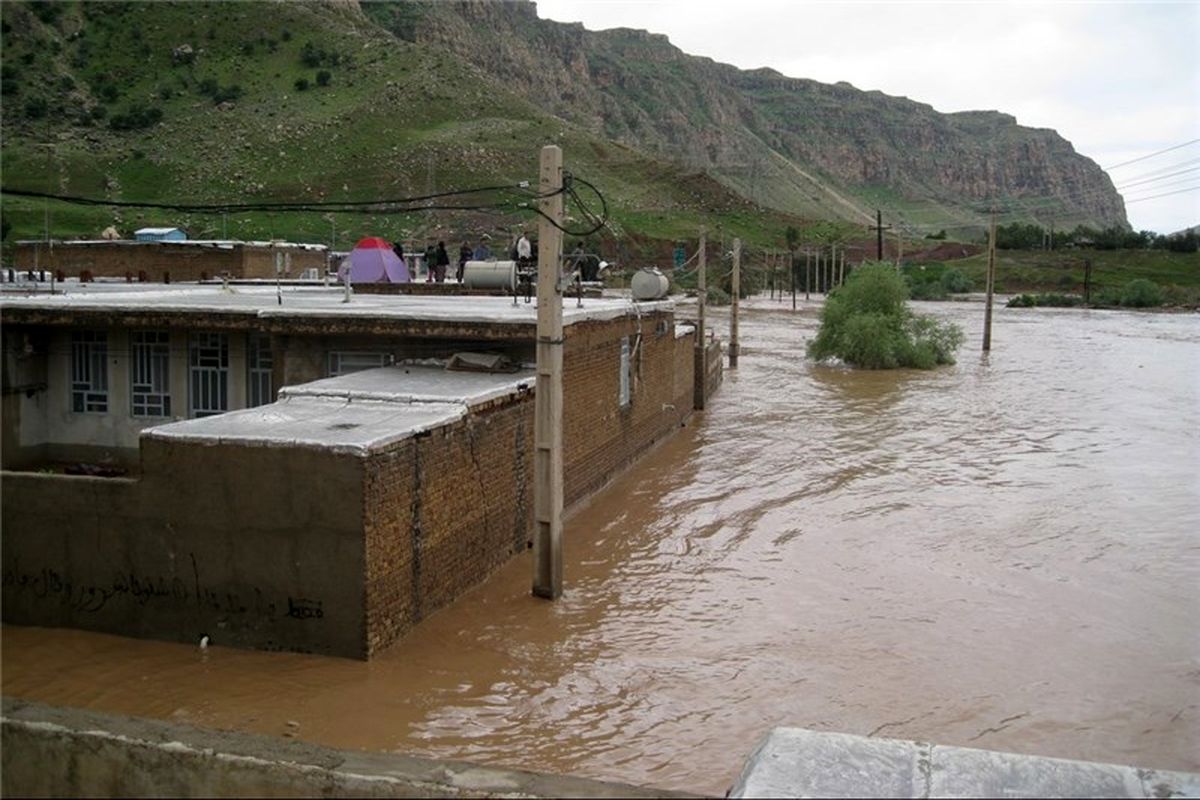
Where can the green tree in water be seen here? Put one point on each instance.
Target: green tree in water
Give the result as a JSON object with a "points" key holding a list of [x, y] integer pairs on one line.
{"points": [[867, 323]]}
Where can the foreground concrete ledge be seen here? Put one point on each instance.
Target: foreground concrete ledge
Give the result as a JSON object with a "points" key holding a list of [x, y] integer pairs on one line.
{"points": [[794, 762], [64, 752]]}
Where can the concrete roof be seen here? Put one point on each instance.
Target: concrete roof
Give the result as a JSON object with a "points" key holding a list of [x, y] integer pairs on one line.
{"points": [[358, 413], [315, 302]]}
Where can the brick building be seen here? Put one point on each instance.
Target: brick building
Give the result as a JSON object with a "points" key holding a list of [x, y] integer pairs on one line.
{"points": [[305, 474], [164, 261]]}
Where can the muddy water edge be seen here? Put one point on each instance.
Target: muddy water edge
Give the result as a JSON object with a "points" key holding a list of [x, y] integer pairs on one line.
{"points": [[1001, 554]]}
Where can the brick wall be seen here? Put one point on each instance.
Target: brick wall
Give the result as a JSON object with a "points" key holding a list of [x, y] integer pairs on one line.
{"points": [[599, 437], [442, 511], [182, 262]]}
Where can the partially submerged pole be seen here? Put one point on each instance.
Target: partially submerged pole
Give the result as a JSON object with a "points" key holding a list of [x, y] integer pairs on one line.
{"points": [[991, 281], [807, 271], [699, 353], [548, 399], [733, 313]]}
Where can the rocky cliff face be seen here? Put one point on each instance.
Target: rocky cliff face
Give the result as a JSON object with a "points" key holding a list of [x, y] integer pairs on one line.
{"points": [[798, 145]]}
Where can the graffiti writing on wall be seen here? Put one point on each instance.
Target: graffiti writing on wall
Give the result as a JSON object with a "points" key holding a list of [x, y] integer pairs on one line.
{"points": [[143, 590]]}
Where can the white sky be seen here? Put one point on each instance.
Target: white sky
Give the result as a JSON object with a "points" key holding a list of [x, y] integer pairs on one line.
{"points": [[1117, 80]]}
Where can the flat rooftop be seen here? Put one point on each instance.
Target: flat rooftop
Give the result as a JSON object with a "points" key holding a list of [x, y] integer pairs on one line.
{"points": [[358, 413], [312, 302]]}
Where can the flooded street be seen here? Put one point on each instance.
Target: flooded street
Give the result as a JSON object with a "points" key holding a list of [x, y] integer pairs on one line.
{"points": [[1001, 554]]}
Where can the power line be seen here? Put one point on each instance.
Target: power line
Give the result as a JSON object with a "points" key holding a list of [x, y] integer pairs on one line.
{"points": [[1159, 178], [1151, 155], [1167, 194]]}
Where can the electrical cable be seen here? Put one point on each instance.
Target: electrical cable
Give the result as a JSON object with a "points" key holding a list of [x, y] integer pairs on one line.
{"points": [[1151, 155]]}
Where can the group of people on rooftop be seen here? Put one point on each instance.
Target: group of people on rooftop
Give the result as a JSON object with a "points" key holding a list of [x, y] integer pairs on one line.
{"points": [[524, 252]]}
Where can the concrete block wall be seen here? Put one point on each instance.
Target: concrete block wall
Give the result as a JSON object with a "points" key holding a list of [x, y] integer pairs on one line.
{"points": [[255, 546]]}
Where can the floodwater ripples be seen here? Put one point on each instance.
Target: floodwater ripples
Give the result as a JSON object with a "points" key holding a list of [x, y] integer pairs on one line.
{"points": [[1000, 554]]}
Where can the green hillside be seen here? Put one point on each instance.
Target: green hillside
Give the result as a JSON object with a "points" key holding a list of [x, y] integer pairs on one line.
{"points": [[255, 101]]}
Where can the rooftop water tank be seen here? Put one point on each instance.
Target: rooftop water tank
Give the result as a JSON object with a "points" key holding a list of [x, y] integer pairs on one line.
{"points": [[649, 284], [490, 275]]}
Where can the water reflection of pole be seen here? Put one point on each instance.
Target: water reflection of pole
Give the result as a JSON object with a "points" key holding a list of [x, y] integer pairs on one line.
{"points": [[991, 281], [733, 314]]}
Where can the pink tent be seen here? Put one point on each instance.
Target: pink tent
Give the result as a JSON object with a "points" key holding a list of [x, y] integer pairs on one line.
{"points": [[372, 261]]}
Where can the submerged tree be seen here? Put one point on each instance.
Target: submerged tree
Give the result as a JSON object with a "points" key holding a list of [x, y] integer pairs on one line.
{"points": [[867, 323]]}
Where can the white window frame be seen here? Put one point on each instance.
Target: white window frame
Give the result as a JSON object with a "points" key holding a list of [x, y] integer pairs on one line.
{"points": [[89, 372], [208, 374], [260, 370], [344, 362], [150, 374]]}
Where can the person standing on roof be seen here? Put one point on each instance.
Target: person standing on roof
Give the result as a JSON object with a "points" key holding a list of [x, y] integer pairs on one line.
{"points": [[430, 261], [464, 255], [441, 260], [482, 251], [524, 250]]}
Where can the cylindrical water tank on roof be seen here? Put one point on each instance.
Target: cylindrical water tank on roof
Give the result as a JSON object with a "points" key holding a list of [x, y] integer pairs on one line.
{"points": [[490, 275], [649, 284]]}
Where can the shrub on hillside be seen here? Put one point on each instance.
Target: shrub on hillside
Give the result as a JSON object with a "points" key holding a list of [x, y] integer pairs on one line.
{"points": [[136, 118], [301, 84], [867, 323], [955, 282], [1141, 293], [323, 77]]}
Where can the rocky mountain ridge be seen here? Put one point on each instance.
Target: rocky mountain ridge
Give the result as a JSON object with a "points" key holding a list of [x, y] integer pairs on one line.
{"points": [[794, 144]]}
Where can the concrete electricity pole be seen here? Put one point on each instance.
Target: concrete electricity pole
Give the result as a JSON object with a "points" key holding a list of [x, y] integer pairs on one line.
{"points": [[700, 355], [733, 314], [991, 281], [548, 400], [807, 271]]}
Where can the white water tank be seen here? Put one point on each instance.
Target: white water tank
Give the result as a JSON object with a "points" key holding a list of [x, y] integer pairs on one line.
{"points": [[649, 284], [490, 275]]}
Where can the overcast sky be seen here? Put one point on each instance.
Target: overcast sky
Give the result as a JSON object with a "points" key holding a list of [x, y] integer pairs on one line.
{"points": [[1118, 80]]}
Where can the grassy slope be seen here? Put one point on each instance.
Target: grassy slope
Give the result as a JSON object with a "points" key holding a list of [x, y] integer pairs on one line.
{"points": [[1063, 271], [396, 121]]}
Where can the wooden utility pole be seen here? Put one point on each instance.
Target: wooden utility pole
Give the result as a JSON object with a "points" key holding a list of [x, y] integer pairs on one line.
{"points": [[991, 281], [899, 250], [842, 269], [820, 257], [548, 400], [700, 354], [1087, 282], [733, 313]]}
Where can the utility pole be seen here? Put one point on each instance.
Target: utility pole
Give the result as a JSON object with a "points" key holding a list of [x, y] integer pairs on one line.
{"points": [[879, 229], [1087, 282], [699, 353], [807, 271], [548, 398], [792, 272], [991, 280], [899, 251], [820, 256], [842, 269], [733, 313]]}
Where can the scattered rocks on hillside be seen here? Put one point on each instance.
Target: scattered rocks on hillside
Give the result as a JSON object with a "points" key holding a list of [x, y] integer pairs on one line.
{"points": [[183, 54]]}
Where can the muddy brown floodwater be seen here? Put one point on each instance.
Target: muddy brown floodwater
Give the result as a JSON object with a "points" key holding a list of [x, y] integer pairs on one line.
{"points": [[1003, 554]]}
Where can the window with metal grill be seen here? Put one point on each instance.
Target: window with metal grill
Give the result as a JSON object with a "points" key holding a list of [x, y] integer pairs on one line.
{"points": [[208, 383], [150, 373], [89, 371]]}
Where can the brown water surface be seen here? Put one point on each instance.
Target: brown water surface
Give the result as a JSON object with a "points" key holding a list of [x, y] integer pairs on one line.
{"points": [[1002, 554]]}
